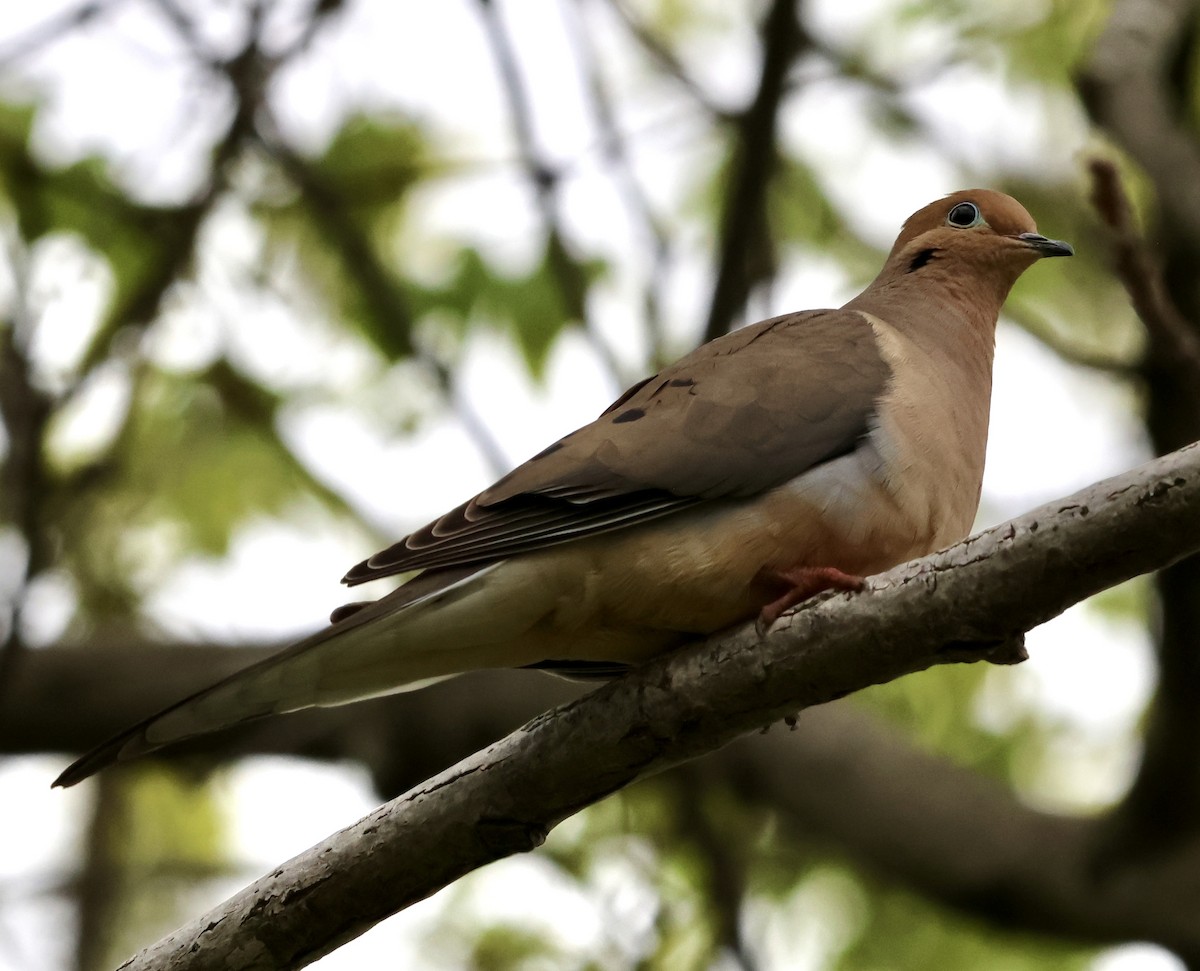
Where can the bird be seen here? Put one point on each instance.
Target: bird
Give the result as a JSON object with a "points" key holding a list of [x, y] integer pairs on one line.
{"points": [[780, 460]]}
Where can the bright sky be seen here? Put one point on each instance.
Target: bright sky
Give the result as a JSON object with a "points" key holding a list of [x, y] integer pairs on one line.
{"points": [[118, 88]]}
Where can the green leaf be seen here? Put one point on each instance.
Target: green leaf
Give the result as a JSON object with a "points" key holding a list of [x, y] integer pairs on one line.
{"points": [[146, 247], [156, 833], [902, 932], [801, 214], [205, 457], [343, 216], [532, 307], [511, 947], [1043, 42], [1082, 303], [375, 161], [198, 457]]}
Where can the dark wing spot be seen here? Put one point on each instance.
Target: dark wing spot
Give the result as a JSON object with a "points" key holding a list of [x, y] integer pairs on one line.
{"points": [[682, 383], [633, 414], [629, 393], [548, 450], [921, 259]]}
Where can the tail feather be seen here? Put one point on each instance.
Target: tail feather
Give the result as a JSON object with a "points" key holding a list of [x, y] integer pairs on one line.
{"points": [[297, 677]]}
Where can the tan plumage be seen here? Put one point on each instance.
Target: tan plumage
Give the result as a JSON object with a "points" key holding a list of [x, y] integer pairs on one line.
{"points": [[800, 452]]}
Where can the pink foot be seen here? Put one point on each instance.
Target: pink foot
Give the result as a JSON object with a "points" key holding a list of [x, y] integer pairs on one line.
{"points": [[799, 584]]}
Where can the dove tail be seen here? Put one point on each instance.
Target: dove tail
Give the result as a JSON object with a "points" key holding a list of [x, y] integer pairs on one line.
{"points": [[362, 655]]}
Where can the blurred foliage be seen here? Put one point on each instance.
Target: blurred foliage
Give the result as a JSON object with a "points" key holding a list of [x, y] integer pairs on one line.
{"points": [[901, 932], [677, 19], [1084, 305], [347, 219], [531, 307], [1127, 603], [1043, 41], [145, 247], [161, 834], [802, 216], [509, 947], [812, 900], [195, 452], [339, 215]]}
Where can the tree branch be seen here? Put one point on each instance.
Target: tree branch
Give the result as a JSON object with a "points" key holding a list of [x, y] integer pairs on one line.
{"points": [[1173, 341], [1133, 88], [544, 178], [844, 776], [1127, 90], [1066, 349], [954, 605], [665, 58], [625, 180], [962, 839], [744, 255], [724, 862], [51, 30], [381, 289], [25, 410]]}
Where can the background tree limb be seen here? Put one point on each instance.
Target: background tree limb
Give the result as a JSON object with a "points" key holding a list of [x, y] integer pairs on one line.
{"points": [[1135, 88], [965, 603]]}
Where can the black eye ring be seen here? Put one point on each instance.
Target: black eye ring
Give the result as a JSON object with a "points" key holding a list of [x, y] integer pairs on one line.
{"points": [[964, 216]]}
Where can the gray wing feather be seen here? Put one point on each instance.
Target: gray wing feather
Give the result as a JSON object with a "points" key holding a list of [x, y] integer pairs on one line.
{"points": [[738, 416]]}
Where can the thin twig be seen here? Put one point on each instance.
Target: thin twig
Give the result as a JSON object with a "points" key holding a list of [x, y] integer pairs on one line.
{"points": [[1048, 337], [185, 26], [379, 286], [666, 59], [322, 10], [51, 30], [725, 865], [1173, 340], [744, 256], [545, 179], [25, 410], [247, 73], [1128, 88], [616, 153]]}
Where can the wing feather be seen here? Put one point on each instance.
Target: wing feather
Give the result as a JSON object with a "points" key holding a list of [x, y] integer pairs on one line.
{"points": [[740, 415]]}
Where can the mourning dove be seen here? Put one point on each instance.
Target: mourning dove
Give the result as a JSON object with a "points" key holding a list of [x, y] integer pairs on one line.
{"points": [[795, 455]]}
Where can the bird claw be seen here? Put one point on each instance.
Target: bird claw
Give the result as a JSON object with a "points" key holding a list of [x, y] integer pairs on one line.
{"points": [[801, 583]]}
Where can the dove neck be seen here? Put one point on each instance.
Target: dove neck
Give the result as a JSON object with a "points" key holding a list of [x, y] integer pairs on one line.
{"points": [[937, 307]]}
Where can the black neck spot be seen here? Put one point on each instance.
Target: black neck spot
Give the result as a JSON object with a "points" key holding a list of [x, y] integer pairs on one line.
{"points": [[922, 258]]}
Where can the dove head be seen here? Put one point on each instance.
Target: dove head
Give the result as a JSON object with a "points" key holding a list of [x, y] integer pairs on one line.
{"points": [[967, 249], [976, 231]]}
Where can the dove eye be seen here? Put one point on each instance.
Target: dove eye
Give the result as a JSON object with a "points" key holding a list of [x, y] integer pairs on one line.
{"points": [[964, 216]]}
